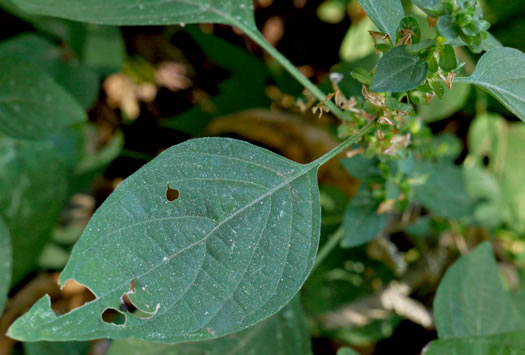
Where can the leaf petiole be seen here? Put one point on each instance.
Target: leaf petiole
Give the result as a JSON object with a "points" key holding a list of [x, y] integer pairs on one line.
{"points": [[345, 144]]}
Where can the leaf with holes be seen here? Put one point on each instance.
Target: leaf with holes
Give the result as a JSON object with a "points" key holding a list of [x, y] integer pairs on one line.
{"points": [[385, 14], [32, 105], [5, 263], [501, 71], [399, 71], [282, 334], [230, 249], [146, 12]]}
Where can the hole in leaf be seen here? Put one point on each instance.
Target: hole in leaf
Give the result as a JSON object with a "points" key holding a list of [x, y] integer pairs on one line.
{"points": [[112, 316], [71, 296], [128, 306], [486, 161], [172, 194]]}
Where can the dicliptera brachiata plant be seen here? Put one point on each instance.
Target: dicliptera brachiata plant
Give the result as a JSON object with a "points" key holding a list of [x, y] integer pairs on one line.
{"points": [[216, 236]]}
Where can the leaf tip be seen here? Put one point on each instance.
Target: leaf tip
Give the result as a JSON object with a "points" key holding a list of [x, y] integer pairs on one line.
{"points": [[25, 327]]}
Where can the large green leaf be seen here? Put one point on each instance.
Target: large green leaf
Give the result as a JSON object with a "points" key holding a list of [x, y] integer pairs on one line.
{"points": [[501, 71], [5, 263], [386, 14], [471, 300], [230, 251], [399, 71], [57, 62], [32, 105], [145, 12], [361, 222], [512, 343], [282, 334], [33, 189]]}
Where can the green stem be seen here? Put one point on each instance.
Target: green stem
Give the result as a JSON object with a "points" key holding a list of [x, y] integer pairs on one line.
{"points": [[259, 39], [341, 147], [327, 248]]}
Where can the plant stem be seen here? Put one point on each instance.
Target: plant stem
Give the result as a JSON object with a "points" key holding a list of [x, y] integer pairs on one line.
{"points": [[328, 247], [259, 39], [349, 141]]}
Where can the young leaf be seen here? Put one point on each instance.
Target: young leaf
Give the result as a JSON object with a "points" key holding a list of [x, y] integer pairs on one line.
{"points": [[213, 236], [5, 263], [386, 14], [447, 58], [399, 71], [505, 344], [448, 29], [501, 71], [471, 300], [361, 222], [145, 12], [282, 334], [33, 189], [32, 106]]}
